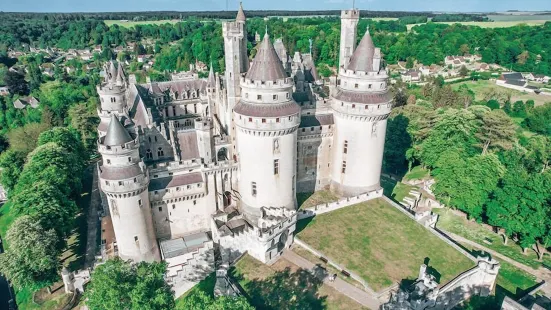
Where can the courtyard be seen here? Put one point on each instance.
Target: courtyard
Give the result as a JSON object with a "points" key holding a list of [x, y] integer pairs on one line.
{"points": [[381, 244]]}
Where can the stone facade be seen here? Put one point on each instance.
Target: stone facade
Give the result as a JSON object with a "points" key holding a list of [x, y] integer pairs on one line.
{"points": [[193, 167]]}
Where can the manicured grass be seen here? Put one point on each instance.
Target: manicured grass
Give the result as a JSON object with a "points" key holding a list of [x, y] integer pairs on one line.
{"points": [[473, 231], [514, 281], [206, 286], [53, 302], [309, 200], [6, 219], [395, 190], [381, 244], [481, 87], [416, 173], [285, 285]]}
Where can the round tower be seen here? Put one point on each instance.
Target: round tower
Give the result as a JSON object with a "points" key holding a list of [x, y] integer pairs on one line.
{"points": [[124, 180], [266, 122], [113, 89], [361, 105]]}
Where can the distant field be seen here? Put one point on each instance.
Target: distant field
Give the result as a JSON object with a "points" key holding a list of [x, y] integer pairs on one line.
{"points": [[131, 24], [542, 19], [480, 88], [501, 18]]}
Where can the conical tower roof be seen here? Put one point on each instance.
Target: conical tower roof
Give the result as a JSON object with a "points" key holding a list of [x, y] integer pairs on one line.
{"points": [[116, 133], [211, 80], [240, 14], [362, 58], [113, 71], [266, 64]]}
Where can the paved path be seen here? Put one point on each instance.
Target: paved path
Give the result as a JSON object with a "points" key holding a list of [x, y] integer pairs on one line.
{"points": [[92, 219], [540, 273], [340, 285]]}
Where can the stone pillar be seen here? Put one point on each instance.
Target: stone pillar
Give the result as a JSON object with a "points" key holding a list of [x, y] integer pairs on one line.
{"points": [[68, 280]]}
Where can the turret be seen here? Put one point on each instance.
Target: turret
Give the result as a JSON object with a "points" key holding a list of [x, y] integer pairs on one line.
{"points": [[124, 180], [113, 90], [266, 121], [361, 106], [349, 24], [237, 61]]}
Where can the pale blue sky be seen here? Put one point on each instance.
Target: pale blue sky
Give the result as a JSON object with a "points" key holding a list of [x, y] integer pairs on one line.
{"points": [[216, 5]]}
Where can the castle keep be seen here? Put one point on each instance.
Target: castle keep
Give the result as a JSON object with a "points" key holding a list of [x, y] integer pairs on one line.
{"points": [[198, 171]]}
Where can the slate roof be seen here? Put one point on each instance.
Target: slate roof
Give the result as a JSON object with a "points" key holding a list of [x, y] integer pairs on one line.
{"points": [[515, 82], [240, 14], [316, 120], [120, 173], [362, 97], [116, 133], [267, 109], [513, 76], [174, 181], [180, 246], [187, 141], [266, 64], [362, 58]]}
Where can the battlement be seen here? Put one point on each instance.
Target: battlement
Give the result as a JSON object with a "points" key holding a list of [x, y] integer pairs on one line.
{"points": [[203, 123], [350, 14], [233, 29], [281, 83], [118, 150]]}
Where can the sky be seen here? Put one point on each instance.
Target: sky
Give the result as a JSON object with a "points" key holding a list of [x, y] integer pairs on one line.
{"points": [[218, 5]]}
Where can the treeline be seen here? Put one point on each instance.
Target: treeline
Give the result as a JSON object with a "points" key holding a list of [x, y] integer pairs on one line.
{"points": [[459, 18], [164, 15], [483, 162]]}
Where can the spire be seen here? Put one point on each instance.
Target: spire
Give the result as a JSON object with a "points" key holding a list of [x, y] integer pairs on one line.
{"points": [[362, 58], [112, 71], [240, 14], [120, 75], [211, 80], [266, 64], [116, 133]]}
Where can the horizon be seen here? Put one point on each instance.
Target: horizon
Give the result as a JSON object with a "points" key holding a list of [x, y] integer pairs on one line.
{"points": [[130, 6]]}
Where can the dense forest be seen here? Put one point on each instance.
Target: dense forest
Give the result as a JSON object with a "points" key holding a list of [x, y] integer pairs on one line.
{"points": [[489, 158]]}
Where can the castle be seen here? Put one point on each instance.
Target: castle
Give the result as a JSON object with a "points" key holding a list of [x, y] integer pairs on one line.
{"points": [[197, 171]]}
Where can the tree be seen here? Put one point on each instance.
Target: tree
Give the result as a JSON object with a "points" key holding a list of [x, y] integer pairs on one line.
{"points": [[85, 120], [31, 260], [493, 104], [16, 83], [519, 110], [12, 162], [120, 285], [463, 71], [497, 131], [411, 100], [201, 301], [24, 139], [398, 141], [67, 139]]}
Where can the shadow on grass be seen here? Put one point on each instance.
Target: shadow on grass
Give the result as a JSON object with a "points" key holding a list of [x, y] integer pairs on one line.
{"points": [[302, 197], [284, 289], [302, 224]]}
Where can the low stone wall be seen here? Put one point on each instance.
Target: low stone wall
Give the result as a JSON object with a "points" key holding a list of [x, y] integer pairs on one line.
{"points": [[332, 263], [339, 204]]}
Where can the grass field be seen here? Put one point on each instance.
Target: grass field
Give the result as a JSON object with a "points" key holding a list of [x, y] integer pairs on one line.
{"points": [[473, 231], [308, 200], [496, 24], [416, 173], [395, 190], [481, 87], [131, 24], [285, 286], [381, 244]]}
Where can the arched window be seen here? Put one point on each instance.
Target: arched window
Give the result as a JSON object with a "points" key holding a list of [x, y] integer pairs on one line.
{"points": [[160, 152], [148, 154]]}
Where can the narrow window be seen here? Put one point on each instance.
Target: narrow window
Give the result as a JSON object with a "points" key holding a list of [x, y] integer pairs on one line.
{"points": [[345, 149], [287, 96], [195, 202], [140, 203], [136, 238], [353, 106], [343, 166], [129, 159], [106, 182], [160, 209], [355, 85], [275, 97], [250, 119], [263, 120], [253, 188], [258, 97], [277, 120], [160, 152], [173, 207], [369, 86], [120, 183], [276, 166], [109, 161]]}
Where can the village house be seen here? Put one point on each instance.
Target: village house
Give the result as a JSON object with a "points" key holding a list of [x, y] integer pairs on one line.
{"points": [[24, 102], [4, 91], [538, 78], [411, 76]]}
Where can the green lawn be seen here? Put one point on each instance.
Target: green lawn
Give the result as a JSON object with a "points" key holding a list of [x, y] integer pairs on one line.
{"points": [[309, 200], [396, 190], [206, 285], [285, 286], [381, 244], [416, 173], [475, 232]]}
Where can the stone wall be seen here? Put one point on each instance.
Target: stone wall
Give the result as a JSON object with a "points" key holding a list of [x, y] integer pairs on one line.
{"points": [[339, 204]]}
